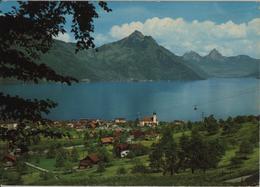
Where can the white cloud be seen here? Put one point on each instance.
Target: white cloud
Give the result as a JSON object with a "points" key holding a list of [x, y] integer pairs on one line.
{"points": [[180, 36], [63, 37]]}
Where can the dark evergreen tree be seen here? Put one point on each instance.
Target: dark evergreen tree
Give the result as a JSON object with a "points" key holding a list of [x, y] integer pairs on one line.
{"points": [[211, 124], [184, 152], [155, 157]]}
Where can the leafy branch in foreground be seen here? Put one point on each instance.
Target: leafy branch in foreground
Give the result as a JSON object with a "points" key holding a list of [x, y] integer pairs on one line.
{"points": [[27, 32]]}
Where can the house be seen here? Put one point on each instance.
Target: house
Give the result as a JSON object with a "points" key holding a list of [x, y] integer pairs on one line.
{"points": [[137, 133], [119, 148], [120, 120], [9, 125], [107, 140], [9, 160], [149, 121], [178, 122], [89, 161], [124, 154], [70, 125], [92, 123]]}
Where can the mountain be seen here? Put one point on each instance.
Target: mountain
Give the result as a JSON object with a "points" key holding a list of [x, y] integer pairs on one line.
{"points": [[136, 57], [216, 65], [192, 55]]}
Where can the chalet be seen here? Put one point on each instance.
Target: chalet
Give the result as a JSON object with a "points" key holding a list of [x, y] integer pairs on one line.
{"points": [[149, 121], [120, 120], [89, 161], [107, 140], [9, 160]]}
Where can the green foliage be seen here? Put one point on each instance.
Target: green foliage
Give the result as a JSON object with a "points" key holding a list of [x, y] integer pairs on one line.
{"points": [[164, 155], [246, 147], [139, 150], [28, 31], [21, 166], [235, 161], [121, 171], [139, 168], [46, 175], [211, 125], [200, 153], [130, 155], [74, 155], [183, 152], [51, 152], [104, 155], [155, 157], [61, 158], [101, 167]]}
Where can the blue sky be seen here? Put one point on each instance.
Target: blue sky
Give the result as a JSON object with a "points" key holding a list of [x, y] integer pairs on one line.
{"points": [[231, 27]]}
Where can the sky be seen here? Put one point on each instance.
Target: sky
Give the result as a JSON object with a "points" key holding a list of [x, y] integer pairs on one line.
{"points": [[232, 28]]}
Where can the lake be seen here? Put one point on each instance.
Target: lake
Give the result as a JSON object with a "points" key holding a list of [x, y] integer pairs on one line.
{"points": [[170, 100]]}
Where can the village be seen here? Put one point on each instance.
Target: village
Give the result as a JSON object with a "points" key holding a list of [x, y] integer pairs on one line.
{"points": [[144, 129], [120, 147]]}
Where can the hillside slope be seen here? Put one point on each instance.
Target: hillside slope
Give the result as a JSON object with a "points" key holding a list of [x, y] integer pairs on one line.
{"points": [[136, 57]]}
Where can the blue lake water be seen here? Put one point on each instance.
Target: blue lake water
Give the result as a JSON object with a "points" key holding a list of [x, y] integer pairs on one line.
{"points": [[170, 100]]}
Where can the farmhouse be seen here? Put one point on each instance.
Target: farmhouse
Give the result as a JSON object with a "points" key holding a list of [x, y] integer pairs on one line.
{"points": [[107, 140], [149, 121], [9, 160], [89, 161]]}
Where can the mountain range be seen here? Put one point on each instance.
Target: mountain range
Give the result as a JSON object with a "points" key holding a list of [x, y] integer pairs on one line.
{"points": [[216, 65], [134, 58], [141, 58]]}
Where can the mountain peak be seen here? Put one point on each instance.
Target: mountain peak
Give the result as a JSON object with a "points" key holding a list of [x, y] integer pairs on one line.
{"points": [[191, 55], [137, 34], [137, 39], [214, 54]]}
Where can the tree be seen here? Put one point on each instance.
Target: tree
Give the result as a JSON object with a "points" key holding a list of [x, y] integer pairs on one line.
{"points": [[211, 124], [164, 155], [26, 33], [204, 154], [183, 151], [197, 151], [104, 155], [155, 157], [139, 167], [246, 147], [101, 167]]}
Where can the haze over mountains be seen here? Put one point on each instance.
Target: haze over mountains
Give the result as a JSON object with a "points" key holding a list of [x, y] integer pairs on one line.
{"points": [[138, 57], [216, 65]]}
